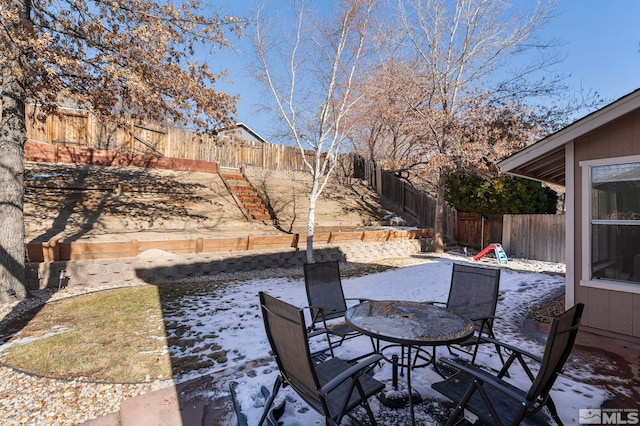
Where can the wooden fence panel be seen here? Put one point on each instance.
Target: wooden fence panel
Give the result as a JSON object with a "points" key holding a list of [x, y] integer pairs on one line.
{"points": [[79, 128], [467, 229], [69, 128], [420, 206], [150, 139], [475, 231], [535, 236], [540, 237]]}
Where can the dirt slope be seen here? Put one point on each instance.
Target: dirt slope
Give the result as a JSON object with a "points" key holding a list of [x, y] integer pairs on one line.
{"points": [[71, 202]]}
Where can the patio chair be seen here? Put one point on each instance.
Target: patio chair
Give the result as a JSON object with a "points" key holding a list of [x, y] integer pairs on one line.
{"points": [[327, 303], [495, 401], [474, 295], [334, 387]]}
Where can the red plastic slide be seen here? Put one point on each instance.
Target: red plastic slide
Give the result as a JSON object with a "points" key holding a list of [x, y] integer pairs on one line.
{"points": [[488, 249]]}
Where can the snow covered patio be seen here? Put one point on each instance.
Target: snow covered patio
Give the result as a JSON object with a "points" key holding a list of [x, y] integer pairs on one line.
{"points": [[427, 277], [601, 373]]}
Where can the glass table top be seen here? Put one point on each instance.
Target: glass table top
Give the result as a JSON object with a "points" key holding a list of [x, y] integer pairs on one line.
{"points": [[409, 323]]}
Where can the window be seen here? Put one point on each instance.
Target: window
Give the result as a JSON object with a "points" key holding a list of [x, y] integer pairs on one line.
{"points": [[615, 222]]}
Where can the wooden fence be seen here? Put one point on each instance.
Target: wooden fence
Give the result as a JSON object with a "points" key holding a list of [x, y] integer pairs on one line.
{"points": [[76, 133], [80, 129], [475, 231], [420, 206], [55, 250], [528, 236], [539, 236]]}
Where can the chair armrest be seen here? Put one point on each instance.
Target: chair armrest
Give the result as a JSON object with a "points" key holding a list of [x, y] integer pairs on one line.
{"points": [[512, 348], [320, 312], [349, 372], [486, 378], [319, 308]]}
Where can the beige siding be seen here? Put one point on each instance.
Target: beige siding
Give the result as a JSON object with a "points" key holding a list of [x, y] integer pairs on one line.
{"points": [[598, 315], [621, 307], [611, 311]]}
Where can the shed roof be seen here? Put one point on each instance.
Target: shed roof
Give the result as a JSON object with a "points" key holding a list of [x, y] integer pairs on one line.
{"points": [[240, 125], [545, 159]]}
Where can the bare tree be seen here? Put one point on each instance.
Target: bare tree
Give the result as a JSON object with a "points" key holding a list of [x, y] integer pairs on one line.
{"points": [[116, 58], [460, 46], [310, 73]]}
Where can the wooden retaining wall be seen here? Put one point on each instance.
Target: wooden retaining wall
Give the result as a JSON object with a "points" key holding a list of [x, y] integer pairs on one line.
{"points": [[54, 250]]}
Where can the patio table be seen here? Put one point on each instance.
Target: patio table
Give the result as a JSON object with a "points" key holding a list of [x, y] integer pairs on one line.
{"points": [[411, 325]]}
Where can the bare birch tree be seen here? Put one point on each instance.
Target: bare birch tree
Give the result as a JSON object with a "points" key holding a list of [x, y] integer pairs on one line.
{"points": [[311, 72], [116, 58]]}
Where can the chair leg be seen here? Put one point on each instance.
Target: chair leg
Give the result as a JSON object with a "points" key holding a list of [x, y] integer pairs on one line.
{"points": [[364, 404], [554, 412], [269, 403], [458, 414]]}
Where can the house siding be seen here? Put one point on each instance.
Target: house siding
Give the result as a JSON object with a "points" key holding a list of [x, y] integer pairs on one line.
{"points": [[607, 310]]}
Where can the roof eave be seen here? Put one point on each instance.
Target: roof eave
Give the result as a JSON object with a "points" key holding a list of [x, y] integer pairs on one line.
{"points": [[521, 159]]}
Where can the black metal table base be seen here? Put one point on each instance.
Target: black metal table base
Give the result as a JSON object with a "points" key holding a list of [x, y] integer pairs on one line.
{"points": [[398, 398]]}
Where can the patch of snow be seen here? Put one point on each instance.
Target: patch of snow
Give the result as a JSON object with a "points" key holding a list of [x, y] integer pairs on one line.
{"points": [[44, 175]]}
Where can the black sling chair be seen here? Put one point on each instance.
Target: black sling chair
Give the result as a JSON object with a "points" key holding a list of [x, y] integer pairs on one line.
{"points": [[495, 401], [332, 387]]}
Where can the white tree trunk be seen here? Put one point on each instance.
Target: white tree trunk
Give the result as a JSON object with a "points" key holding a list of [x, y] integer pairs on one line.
{"points": [[311, 224]]}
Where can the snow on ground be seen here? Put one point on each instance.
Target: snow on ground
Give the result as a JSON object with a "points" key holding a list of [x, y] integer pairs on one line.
{"points": [[234, 315]]}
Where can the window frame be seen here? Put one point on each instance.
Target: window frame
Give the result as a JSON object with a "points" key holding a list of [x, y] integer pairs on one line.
{"points": [[587, 221]]}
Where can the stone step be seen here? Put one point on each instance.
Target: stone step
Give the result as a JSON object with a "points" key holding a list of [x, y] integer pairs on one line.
{"points": [[233, 176], [239, 183], [248, 198], [255, 208], [243, 188]]}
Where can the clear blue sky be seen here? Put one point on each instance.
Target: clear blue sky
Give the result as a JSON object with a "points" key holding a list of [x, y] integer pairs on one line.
{"points": [[601, 43]]}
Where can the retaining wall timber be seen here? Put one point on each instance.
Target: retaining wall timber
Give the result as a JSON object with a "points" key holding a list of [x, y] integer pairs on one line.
{"points": [[158, 267]]}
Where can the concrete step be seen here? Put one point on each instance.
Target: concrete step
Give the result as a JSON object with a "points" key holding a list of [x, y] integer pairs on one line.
{"points": [[189, 403]]}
